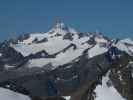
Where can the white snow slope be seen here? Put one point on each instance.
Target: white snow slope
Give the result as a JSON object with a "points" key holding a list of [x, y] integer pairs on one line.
{"points": [[104, 92], [56, 44], [6, 94], [126, 45]]}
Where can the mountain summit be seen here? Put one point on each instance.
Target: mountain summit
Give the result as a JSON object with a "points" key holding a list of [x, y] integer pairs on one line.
{"points": [[61, 28]]}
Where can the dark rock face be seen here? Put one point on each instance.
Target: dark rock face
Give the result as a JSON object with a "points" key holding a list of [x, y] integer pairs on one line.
{"points": [[13, 41], [61, 81], [48, 98], [82, 35], [23, 37], [68, 36], [77, 79], [91, 41], [35, 40], [40, 41], [69, 46], [57, 34], [123, 80], [113, 54], [41, 54], [1, 65], [10, 56]]}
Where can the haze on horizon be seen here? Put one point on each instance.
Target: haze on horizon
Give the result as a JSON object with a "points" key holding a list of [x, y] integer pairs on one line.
{"points": [[114, 18]]}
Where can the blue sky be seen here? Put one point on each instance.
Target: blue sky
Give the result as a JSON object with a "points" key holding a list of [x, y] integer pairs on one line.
{"points": [[112, 17]]}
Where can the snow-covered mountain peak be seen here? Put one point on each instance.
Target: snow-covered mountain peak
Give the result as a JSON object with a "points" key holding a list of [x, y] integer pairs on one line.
{"points": [[60, 25], [61, 28], [62, 44], [59, 38]]}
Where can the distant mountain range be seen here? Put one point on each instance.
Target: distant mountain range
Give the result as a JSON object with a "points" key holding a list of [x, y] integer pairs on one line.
{"points": [[65, 62]]}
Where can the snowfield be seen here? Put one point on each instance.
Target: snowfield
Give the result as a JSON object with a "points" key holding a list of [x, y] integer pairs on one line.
{"points": [[67, 97], [125, 45], [52, 46], [96, 50], [62, 58], [104, 92], [6, 94]]}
